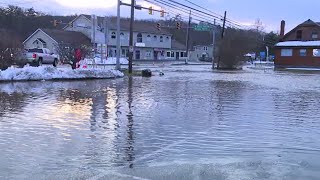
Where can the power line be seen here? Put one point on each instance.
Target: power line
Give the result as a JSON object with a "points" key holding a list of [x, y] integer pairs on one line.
{"points": [[228, 20], [172, 6], [186, 10], [197, 10]]}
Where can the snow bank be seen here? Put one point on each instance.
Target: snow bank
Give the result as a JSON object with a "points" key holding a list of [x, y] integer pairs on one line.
{"points": [[52, 73]]}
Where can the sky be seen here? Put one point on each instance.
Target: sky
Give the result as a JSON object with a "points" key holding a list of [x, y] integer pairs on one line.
{"points": [[245, 12]]}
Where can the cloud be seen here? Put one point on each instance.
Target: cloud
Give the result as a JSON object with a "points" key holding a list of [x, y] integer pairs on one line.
{"points": [[88, 3]]}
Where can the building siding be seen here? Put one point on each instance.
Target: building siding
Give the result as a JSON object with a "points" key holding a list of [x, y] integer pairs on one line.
{"points": [[50, 44], [296, 60], [198, 51], [306, 33]]}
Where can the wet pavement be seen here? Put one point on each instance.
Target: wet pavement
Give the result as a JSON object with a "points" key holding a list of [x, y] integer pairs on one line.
{"points": [[191, 123]]}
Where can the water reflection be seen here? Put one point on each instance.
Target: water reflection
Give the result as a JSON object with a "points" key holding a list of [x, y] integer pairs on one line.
{"points": [[11, 103], [233, 122], [130, 133]]}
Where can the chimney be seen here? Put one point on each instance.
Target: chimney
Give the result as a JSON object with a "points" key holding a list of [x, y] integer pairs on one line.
{"points": [[282, 28]]}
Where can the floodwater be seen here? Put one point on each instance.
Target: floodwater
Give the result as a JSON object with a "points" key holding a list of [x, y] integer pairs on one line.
{"points": [[191, 123]]}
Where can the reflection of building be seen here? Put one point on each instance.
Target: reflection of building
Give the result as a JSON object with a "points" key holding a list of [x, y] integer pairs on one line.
{"points": [[300, 47], [52, 39]]}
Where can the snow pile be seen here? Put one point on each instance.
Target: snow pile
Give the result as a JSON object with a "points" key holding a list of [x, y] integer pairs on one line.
{"points": [[52, 73], [108, 61]]}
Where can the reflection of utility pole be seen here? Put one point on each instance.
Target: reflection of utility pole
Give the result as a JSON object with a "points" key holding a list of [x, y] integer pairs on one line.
{"points": [[131, 36], [188, 36], [130, 145]]}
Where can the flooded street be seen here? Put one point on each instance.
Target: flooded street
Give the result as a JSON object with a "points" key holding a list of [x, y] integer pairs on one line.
{"points": [[191, 123]]}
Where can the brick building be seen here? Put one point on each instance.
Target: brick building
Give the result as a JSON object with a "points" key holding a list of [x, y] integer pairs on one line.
{"points": [[300, 47]]}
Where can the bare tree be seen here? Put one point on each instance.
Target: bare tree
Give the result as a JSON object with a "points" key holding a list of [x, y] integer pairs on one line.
{"points": [[67, 53], [9, 48], [233, 46]]}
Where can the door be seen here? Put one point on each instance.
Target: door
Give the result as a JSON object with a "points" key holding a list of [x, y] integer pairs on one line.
{"points": [[155, 55], [137, 55], [177, 55]]}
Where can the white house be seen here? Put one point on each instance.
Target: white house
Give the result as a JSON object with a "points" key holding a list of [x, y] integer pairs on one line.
{"points": [[204, 52], [149, 42], [52, 39]]}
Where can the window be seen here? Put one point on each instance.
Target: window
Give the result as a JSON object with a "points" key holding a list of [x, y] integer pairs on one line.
{"points": [[122, 36], [183, 54], [205, 48], [316, 53], [148, 38], [155, 38], [123, 53], [113, 35], [137, 55], [286, 52], [299, 34], [168, 54], [314, 35], [168, 39], [172, 54], [35, 50], [148, 54], [303, 52], [161, 38], [139, 38]]}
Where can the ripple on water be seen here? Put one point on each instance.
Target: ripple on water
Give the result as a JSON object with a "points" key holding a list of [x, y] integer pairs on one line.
{"points": [[184, 125]]}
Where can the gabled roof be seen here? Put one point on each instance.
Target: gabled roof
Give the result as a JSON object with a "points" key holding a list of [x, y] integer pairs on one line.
{"points": [[60, 36], [308, 22], [139, 26], [36, 32], [68, 37]]}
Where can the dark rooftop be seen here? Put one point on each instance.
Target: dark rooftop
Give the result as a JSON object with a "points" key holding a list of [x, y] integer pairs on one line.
{"points": [[69, 37], [177, 45]]}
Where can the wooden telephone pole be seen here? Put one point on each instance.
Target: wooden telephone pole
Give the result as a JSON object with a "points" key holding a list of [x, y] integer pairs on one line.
{"points": [[131, 49], [222, 36]]}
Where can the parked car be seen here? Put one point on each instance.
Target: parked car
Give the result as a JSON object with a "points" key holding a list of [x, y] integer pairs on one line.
{"points": [[37, 57]]}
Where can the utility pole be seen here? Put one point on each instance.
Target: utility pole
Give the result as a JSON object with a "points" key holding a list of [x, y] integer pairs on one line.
{"points": [[93, 33], [222, 35], [106, 32], [131, 36], [213, 42], [118, 36], [188, 36], [224, 24]]}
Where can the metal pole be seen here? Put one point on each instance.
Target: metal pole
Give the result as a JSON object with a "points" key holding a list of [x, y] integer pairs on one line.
{"points": [[131, 36], [213, 42], [188, 36], [105, 25], [118, 36]]}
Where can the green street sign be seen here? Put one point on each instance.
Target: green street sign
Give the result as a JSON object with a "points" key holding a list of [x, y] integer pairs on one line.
{"points": [[201, 28]]}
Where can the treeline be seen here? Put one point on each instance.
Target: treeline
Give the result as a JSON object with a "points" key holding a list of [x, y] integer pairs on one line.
{"points": [[16, 24]]}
